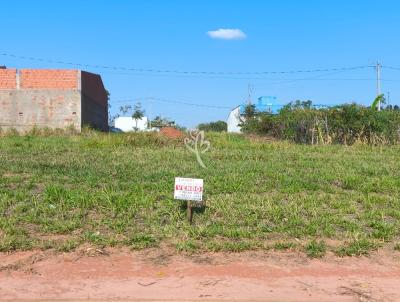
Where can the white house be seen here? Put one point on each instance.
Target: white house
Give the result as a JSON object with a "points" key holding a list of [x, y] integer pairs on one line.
{"points": [[233, 120], [127, 123]]}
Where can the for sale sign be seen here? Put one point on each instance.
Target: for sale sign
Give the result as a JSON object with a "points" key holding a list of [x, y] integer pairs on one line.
{"points": [[188, 189]]}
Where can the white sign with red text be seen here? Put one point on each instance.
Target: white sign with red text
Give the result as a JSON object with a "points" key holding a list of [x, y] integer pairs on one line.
{"points": [[188, 189]]}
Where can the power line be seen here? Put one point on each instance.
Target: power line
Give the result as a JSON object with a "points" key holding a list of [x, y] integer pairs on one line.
{"points": [[167, 71], [141, 99], [378, 83], [170, 102], [309, 78], [390, 67]]}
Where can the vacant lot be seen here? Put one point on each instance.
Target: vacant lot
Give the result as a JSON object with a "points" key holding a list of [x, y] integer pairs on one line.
{"points": [[112, 190]]}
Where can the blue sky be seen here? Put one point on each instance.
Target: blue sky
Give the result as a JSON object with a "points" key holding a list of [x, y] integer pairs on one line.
{"points": [[172, 35]]}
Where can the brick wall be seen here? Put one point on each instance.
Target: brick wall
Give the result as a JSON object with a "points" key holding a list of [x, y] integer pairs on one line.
{"points": [[48, 79], [8, 78], [52, 98]]}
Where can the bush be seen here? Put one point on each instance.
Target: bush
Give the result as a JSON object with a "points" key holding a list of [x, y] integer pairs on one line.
{"points": [[218, 126], [345, 124]]}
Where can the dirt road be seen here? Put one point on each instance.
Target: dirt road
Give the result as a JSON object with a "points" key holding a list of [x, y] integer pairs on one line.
{"points": [[160, 275]]}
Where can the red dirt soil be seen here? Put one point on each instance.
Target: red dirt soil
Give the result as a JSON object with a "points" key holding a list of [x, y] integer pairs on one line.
{"points": [[171, 132], [161, 275]]}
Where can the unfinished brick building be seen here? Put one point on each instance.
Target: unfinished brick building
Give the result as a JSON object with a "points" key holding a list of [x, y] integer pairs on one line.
{"points": [[52, 98]]}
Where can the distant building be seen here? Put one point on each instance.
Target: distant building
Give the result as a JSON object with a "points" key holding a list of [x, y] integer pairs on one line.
{"points": [[264, 104], [233, 120], [128, 124], [53, 98]]}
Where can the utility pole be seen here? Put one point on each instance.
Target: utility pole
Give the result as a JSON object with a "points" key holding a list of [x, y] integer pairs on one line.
{"points": [[150, 113], [378, 83], [250, 94]]}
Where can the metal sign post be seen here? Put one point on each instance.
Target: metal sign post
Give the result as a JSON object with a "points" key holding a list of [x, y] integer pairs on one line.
{"points": [[189, 211]]}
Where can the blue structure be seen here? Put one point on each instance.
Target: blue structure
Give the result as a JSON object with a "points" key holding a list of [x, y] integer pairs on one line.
{"points": [[265, 104], [269, 104]]}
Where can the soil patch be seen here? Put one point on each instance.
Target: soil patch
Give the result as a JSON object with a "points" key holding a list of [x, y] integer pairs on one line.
{"points": [[122, 274], [171, 132]]}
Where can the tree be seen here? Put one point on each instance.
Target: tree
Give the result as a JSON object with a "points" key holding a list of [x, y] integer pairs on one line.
{"points": [[111, 118], [160, 122], [298, 104], [125, 109], [248, 118], [138, 114], [249, 111], [380, 99]]}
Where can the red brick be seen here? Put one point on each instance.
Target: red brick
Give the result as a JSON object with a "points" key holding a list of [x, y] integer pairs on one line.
{"points": [[8, 78], [48, 79]]}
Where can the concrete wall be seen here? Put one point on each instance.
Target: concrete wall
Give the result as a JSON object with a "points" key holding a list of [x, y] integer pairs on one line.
{"points": [[94, 101], [54, 108]]}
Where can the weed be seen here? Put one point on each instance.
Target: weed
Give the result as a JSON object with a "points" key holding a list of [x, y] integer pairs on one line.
{"points": [[357, 248], [12, 243], [229, 246], [281, 246], [187, 246], [68, 246], [141, 241], [315, 249]]}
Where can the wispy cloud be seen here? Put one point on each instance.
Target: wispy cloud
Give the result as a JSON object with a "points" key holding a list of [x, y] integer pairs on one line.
{"points": [[227, 34]]}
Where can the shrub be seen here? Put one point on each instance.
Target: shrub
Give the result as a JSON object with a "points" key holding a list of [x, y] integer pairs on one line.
{"points": [[345, 124], [218, 126]]}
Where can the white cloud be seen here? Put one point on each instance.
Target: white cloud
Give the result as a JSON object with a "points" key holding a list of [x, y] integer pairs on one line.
{"points": [[227, 34]]}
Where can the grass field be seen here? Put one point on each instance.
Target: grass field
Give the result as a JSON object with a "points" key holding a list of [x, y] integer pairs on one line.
{"points": [[110, 190]]}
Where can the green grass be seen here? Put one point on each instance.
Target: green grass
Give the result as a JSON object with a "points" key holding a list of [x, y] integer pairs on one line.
{"points": [[315, 249], [117, 190], [282, 246], [357, 248]]}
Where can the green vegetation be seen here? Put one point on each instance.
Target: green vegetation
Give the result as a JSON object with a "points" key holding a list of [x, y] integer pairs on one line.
{"points": [[61, 191], [357, 248], [281, 246], [347, 124], [137, 114], [160, 122], [315, 249], [218, 126]]}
